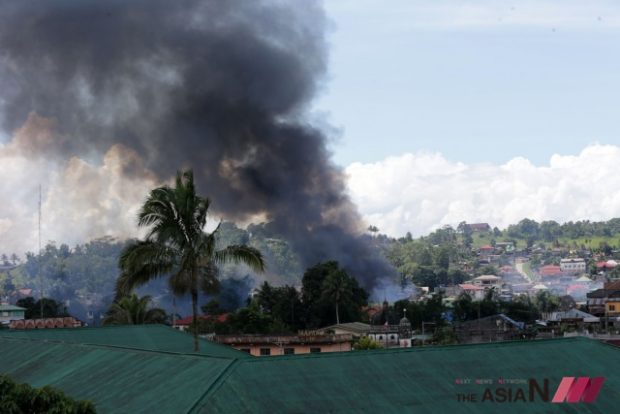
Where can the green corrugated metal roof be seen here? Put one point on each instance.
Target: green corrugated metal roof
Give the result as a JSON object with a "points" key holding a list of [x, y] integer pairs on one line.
{"points": [[420, 380], [414, 380], [149, 337], [11, 308], [117, 380]]}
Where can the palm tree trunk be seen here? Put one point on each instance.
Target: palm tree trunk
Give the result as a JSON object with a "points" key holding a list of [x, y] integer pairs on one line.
{"points": [[195, 318], [337, 315]]}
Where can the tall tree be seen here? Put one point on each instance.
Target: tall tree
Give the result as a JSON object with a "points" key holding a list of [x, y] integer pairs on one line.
{"points": [[177, 246], [318, 307], [132, 310], [337, 289]]}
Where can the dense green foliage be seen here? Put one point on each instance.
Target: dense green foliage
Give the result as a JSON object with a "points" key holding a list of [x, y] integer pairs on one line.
{"points": [[366, 343], [133, 310], [83, 277], [22, 398], [51, 308], [318, 296], [285, 310]]}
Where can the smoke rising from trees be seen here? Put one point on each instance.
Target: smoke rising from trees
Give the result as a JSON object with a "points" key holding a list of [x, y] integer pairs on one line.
{"points": [[222, 87]]}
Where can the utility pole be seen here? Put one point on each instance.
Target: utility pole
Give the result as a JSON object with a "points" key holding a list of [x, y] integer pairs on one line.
{"points": [[39, 261]]}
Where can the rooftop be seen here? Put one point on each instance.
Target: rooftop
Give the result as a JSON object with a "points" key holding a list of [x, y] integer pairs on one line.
{"points": [[147, 337], [356, 327], [420, 379], [11, 308]]}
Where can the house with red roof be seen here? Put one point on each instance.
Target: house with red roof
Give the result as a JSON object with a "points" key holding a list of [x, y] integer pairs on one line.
{"points": [[550, 271], [479, 227]]}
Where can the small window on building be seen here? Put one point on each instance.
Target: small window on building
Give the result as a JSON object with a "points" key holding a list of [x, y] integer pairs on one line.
{"points": [[612, 307], [381, 337], [392, 337], [289, 351], [5, 314], [245, 350], [315, 350], [265, 351]]}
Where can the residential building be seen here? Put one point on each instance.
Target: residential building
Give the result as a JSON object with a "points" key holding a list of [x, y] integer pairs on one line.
{"points": [[612, 307], [303, 343], [488, 281], [479, 227], [489, 329], [356, 329], [474, 291], [597, 299], [550, 271], [573, 265], [9, 313]]}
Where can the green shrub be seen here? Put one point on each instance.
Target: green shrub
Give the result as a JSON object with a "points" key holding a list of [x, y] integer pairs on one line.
{"points": [[22, 398]]}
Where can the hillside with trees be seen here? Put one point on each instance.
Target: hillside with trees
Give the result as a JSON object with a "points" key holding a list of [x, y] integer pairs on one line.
{"points": [[82, 277]]}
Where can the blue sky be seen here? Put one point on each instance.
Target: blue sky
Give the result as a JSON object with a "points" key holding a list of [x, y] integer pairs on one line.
{"points": [[478, 81]]}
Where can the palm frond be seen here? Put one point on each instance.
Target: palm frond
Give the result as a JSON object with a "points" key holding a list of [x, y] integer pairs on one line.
{"points": [[247, 255], [141, 262]]}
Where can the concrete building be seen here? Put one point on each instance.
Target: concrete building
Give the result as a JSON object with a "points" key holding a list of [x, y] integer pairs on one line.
{"points": [[489, 329], [9, 313], [303, 343], [597, 299], [572, 265], [357, 329], [488, 281]]}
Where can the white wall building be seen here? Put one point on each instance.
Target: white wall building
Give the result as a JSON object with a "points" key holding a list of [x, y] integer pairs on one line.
{"points": [[573, 265]]}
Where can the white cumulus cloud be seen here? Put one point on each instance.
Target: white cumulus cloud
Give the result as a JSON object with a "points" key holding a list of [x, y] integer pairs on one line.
{"points": [[419, 192]]}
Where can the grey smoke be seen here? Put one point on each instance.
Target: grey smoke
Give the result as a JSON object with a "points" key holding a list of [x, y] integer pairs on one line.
{"points": [[219, 86]]}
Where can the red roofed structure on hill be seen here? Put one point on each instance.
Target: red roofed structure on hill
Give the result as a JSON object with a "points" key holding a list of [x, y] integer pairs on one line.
{"points": [[479, 227], [550, 270]]}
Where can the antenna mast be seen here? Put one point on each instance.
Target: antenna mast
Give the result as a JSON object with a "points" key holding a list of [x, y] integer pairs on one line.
{"points": [[39, 261]]}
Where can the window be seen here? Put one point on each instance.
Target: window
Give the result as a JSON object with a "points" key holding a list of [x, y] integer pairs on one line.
{"points": [[5, 314], [245, 350], [315, 350], [289, 351], [612, 308], [265, 351]]}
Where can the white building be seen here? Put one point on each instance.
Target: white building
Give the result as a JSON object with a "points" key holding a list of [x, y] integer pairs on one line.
{"points": [[488, 281], [10, 313], [573, 265]]}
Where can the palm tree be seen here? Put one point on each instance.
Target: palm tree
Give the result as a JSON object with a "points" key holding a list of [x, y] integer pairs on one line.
{"points": [[132, 310], [177, 246], [337, 288]]}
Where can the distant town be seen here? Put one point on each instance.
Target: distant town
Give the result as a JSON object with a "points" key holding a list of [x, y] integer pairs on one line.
{"points": [[473, 283]]}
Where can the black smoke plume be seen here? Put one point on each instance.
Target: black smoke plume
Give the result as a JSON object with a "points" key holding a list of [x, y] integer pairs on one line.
{"points": [[220, 86]]}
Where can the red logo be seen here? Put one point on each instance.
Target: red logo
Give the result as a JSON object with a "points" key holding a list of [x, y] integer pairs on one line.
{"points": [[582, 389]]}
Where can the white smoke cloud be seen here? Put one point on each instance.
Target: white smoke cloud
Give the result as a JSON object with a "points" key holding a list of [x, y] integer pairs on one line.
{"points": [[420, 192], [81, 200]]}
